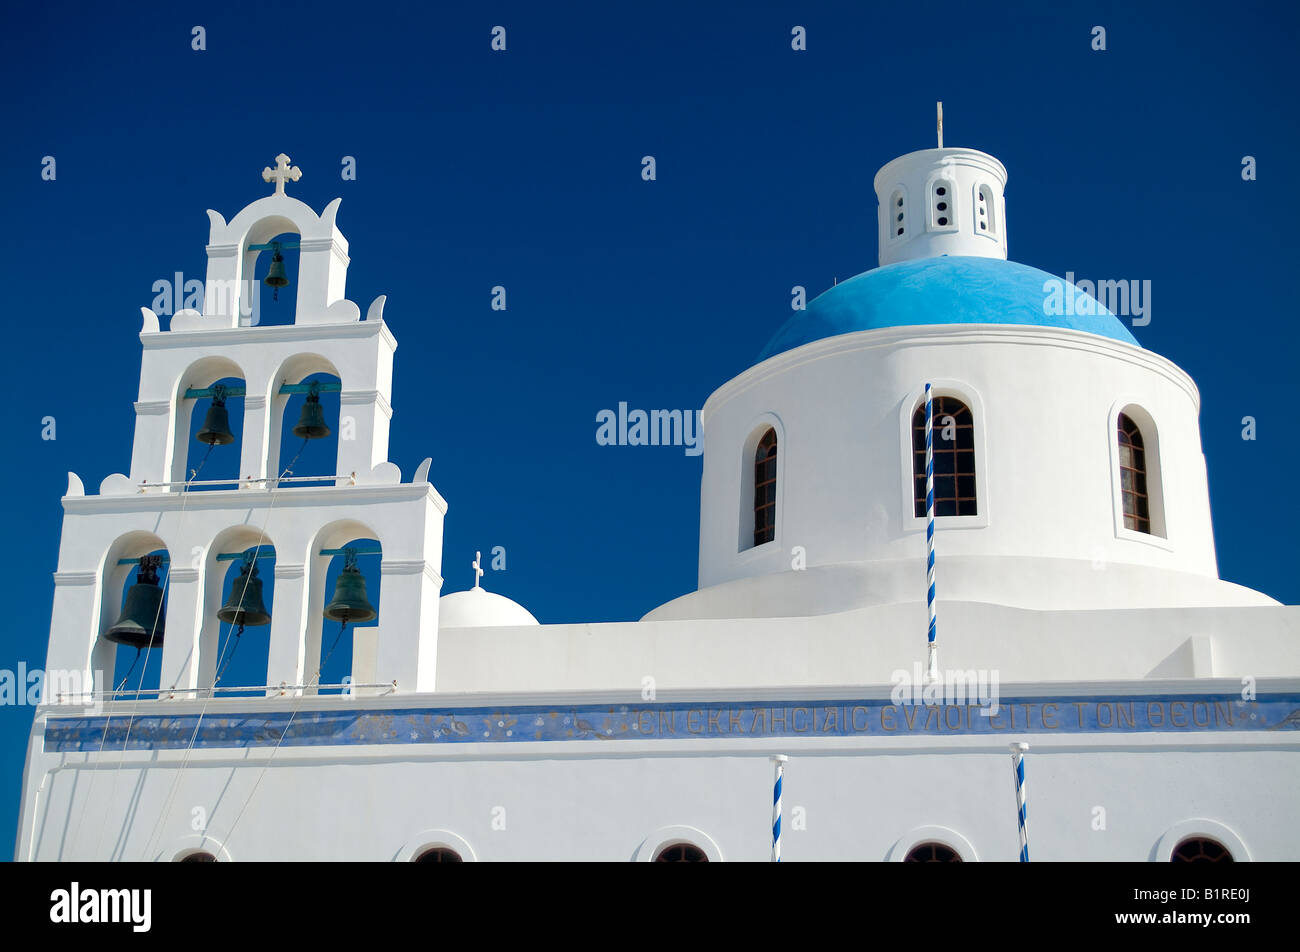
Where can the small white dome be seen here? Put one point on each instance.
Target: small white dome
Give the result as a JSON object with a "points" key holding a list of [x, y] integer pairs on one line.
{"points": [[479, 608]]}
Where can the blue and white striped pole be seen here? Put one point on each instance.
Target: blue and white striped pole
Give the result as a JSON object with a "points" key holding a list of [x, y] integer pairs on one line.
{"points": [[779, 760], [1018, 769], [932, 667]]}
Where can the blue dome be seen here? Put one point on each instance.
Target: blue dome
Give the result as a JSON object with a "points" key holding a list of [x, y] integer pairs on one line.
{"points": [[947, 290]]}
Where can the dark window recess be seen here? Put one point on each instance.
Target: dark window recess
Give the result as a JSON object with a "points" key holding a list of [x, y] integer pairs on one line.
{"points": [[765, 489], [681, 853], [439, 854], [954, 459], [1201, 849], [932, 853], [1133, 476]]}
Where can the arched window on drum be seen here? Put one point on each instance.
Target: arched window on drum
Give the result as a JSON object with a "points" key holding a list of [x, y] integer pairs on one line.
{"points": [[765, 488], [953, 445], [1133, 476]]}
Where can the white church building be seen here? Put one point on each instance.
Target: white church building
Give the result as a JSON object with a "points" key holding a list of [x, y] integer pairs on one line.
{"points": [[1079, 607]]}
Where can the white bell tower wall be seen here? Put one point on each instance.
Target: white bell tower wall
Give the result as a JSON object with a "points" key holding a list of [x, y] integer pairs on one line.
{"points": [[359, 353], [155, 509]]}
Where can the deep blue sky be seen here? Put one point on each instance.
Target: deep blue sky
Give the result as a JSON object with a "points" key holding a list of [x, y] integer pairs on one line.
{"points": [[522, 169]]}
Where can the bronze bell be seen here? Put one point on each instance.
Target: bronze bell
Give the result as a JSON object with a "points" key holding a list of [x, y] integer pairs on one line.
{"points": [[311, 422], [216, 425], [350, 603], [141, 624], [245, 606], [275, 276]]}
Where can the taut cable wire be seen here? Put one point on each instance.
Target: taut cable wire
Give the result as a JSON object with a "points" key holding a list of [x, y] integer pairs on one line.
{"points": [[128, 671], [194, 474], [189, 747], [230, 832], [222, 665]]}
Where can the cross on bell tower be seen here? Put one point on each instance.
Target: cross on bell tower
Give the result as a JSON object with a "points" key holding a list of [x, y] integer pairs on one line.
{"points": [[281, 172]]}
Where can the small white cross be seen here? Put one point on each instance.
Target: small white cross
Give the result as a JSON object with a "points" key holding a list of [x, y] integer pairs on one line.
{"points": [[281, 172], [478, 572]]}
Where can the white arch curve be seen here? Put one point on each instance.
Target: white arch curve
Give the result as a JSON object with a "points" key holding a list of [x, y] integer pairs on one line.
{"points": [[432, 839], [183, 846], [1200, 826], [667, 836], [932, 834]]}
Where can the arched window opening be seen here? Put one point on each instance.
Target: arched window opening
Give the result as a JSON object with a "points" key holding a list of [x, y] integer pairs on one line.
{"points": [[986, 214], [244, 618], [198, 856], [897, 216], [1200, 849], [273, 293], [216, 432], [681, 853], [139, 626], [953, 445], [438, 854], [943, 209], [932, 852], [352, 583], [310, 429], [1133, 476], [765, 488]]}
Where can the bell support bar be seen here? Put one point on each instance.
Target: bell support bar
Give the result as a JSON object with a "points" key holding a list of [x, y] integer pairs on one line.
{"points": [[269, 553], [198, 394], [273, 246]]}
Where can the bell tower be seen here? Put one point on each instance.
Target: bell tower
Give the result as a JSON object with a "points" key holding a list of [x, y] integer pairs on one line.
{"points": [[294, 527]]}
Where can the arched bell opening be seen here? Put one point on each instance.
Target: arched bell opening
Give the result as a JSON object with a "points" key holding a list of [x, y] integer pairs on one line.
{"points": [[352, 581], [306, 427], [344, 597], [216, 432], [133, 617], [272, 265], [208, 423], [238, 596]]}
